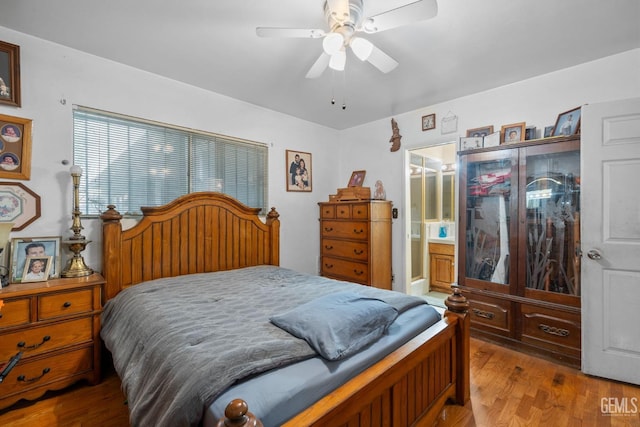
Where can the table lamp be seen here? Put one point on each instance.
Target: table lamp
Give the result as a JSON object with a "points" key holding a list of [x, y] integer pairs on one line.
{"points": [[77, 243]]}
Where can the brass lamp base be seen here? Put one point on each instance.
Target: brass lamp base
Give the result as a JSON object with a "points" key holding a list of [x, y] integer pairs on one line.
{"points": [[76, 266]]}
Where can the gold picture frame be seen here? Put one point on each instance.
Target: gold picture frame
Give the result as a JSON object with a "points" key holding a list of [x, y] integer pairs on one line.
{"points": [[15, 147], [36, 269], [23, 248], [513, 133], [357, 178], [568, 123], [9, 74]]}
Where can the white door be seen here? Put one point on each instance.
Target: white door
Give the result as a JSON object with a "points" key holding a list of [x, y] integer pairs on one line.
{"points": [[610, 187]]}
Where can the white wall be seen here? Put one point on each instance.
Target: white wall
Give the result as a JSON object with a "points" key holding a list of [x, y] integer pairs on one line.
{"points": [[54, 78], [536, 101]]}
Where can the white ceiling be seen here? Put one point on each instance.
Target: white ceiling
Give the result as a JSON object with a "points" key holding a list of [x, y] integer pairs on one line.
{"points": [[470, 46]]}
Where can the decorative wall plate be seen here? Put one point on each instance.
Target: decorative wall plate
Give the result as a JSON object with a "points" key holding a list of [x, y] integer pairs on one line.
{"points": [[18, 204]]}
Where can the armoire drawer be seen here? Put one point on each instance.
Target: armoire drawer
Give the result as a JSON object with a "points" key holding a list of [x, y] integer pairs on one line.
{"points": [[345, 230], [493, 314], [547, 328], [346, 270], [345, 249]]}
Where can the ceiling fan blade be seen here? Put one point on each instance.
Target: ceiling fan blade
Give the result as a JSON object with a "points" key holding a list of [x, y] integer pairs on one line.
{"points": [[408, 14], [367, 51], [319, 66], [312, 33]]}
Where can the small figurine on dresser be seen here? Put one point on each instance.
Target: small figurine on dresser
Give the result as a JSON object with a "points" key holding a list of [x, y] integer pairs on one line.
{"points": [[379, 193]]}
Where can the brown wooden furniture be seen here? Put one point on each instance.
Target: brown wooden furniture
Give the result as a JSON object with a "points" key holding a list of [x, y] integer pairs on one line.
{"points": [[355, 241], [56, 326], [441, 266], [204, 232], [520, 268]]}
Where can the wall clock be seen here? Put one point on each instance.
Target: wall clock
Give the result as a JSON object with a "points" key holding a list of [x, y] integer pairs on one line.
{"points": [[18, 204], [429, 122]]}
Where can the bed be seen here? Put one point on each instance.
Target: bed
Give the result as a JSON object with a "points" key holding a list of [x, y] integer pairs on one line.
{"points": [[209, 239]]}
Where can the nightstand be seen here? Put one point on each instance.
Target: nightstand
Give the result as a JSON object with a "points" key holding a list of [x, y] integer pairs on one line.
{"points": [[56, 326]]}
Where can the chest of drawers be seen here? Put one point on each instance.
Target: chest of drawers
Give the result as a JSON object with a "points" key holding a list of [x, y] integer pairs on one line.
{"points": [[56, 326], [355, 242]]}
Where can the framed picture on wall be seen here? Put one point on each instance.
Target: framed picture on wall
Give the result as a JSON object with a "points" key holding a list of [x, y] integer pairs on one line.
{"points": [[25, 247], [15, 147], [9, 74], [298, 172]]}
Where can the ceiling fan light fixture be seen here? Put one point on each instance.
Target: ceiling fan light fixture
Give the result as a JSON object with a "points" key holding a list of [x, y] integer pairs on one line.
{"points": [[338, 60], [332, 43], [369, 26], [362, 48]]}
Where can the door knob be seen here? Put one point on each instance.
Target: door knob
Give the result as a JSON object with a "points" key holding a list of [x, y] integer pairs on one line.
{"points": [[594, 254]]}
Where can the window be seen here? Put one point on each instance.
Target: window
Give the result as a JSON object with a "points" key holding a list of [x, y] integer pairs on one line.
{"points": [[131, 163]]}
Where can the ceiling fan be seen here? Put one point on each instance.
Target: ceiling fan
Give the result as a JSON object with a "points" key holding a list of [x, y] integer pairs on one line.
{"points": [[345, 19]]}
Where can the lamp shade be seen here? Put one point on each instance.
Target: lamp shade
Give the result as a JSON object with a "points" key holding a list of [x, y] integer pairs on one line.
{"points": [[5, 230], [332, 43], [338, 60]]}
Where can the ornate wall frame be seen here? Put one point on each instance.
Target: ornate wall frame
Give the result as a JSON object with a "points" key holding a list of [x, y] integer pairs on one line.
{"points": [[18, 204]]}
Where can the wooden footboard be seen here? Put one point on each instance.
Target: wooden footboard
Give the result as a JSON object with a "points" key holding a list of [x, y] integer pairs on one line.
{"points": [[407, 388]]}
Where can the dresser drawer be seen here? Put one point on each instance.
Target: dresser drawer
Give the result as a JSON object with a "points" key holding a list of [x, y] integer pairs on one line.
{"points": [[42, 371], [346, 270], [345, 230], [345, 249], [492, 315], [15, 312], [545, 328], [42, 339], [65, 303], [328, 211]]}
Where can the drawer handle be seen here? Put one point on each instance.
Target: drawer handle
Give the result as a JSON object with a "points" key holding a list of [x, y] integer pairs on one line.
{"points": [[481, 313], [328, 229], [358, 272], [358, 231], [358, 252], [0, 315], [552, 330], [67, 304], [328, 265], [328, 247], [45, 371], [24, 345], [342, 212]]}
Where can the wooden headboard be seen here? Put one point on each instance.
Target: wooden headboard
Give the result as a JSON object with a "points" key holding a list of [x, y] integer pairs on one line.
{"points": [[196, 233]]}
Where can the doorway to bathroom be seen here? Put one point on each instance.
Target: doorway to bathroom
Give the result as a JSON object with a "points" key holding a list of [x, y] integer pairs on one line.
{"points": [[432, 201]]}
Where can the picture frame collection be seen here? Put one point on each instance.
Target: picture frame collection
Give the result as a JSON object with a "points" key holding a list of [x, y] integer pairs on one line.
{"points": [[567, 124]]}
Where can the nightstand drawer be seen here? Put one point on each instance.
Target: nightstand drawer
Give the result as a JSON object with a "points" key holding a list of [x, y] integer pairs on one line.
{"points": [[345, 230], [42, 371], [46, 338], [345, 249], [65, 304], [15, 312]]}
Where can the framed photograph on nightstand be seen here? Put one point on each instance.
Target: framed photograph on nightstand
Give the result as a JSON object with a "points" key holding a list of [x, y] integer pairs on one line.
{"points": [[34, 247]]}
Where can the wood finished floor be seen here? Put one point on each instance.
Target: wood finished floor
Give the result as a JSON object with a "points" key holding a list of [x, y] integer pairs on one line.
{"points": [[508, 388]]}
